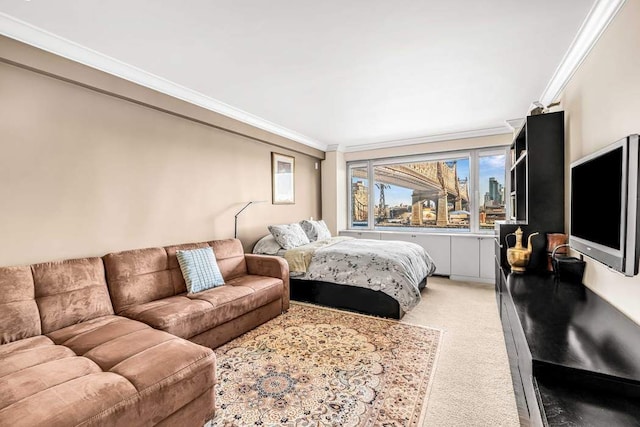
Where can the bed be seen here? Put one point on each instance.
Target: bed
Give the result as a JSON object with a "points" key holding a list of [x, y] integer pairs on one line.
{"points": [[381, 278]]}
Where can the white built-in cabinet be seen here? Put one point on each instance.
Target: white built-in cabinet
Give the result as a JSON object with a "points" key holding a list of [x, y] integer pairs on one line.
{"points": [[438, 247], [469, 257], [472, 258], [365, 234], [487, 259], [465, 256]]}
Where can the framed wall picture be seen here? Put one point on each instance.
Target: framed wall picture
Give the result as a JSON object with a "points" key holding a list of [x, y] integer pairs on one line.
{"points": [[282, 179]]}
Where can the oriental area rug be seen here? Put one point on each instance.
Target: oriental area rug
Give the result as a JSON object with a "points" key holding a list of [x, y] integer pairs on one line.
{"points": [[316, 366]]}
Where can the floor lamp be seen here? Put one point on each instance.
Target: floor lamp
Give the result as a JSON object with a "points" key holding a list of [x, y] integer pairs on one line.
{"points": [[235, 231]]}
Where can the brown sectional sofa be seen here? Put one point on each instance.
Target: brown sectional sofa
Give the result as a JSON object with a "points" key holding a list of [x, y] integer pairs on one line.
{"points": [[67, 360]]}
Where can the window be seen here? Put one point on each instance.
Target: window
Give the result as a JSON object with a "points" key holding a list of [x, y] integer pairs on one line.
{"points": [[435, 192], [432, 194], [492, 206], [359, 191]]}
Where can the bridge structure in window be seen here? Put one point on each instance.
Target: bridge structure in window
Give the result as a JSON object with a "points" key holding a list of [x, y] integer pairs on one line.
{"points": [[433, 183]]}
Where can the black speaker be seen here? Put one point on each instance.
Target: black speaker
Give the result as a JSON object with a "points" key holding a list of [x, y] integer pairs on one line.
{"points": [[567, 268]]}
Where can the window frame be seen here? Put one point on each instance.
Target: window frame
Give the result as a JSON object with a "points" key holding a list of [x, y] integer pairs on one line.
{"points": [[474, 188], [352, 165], [485, 152]]}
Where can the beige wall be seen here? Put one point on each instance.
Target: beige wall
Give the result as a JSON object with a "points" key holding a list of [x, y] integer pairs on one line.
{"points": [[84, 173], [334, 191], [602, 105]]}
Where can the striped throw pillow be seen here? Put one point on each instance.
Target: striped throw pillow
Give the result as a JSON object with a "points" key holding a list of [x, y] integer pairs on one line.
{"points": [[199, 269]]}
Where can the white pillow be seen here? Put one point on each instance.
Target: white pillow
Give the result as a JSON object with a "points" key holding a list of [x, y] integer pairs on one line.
{"points": [[267, 246], [315, 230], [289, 236]]}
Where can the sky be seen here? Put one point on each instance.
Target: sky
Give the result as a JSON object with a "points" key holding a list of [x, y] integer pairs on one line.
{"points": [[489, 166]]}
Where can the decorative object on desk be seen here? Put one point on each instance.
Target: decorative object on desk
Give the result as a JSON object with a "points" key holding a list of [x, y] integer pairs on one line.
{"points": [[518, 256], [235, 230], [567, 268], [282, 179], [553, 241], [539, 108]]}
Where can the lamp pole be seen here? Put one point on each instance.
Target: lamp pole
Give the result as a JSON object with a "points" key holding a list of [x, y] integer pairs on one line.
{"points": [[235, 231]]}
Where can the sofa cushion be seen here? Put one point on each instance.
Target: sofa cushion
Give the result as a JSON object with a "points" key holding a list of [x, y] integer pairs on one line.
{"points": [[108, 371], [179, 315], [177, 279], [21, 384], [241, 295], [192, 314], [129, 342], [70, 291], [19, 315], [19, 360], [230, 256], [199, 269], [137, 277], [265, 288], [86, 336], [42, 382], [68, 403], [272, 266], [33, 342]]}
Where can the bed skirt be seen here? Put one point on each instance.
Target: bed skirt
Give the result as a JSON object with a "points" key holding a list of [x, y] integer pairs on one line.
{"points": [[345, 297]]}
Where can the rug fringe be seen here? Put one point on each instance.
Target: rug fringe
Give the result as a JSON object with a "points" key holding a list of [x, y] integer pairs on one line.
{"points": [[425, 402], [323, 307]]}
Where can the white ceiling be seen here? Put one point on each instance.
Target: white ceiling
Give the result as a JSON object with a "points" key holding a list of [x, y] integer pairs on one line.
{"points": [[334, 72]]}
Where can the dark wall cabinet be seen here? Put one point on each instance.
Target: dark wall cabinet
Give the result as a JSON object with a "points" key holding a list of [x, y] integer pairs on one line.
{"points": [[536, 194], [536, 190]]}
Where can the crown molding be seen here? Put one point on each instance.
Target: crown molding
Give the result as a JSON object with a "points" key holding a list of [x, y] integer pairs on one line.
{"points": [[599, 17], [474, 133], [37, 37], [334, 147], [515, 124]]}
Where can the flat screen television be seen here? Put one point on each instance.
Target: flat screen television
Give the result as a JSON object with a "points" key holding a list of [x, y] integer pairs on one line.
{"points": [[604, 205]]}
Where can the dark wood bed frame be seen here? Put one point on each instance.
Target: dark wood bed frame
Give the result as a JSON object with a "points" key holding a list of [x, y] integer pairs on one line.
{"points": [[345, 297]]}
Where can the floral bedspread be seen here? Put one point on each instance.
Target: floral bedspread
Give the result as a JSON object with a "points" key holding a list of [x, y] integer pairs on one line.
{"points": [[393, 267], [299, 258]]}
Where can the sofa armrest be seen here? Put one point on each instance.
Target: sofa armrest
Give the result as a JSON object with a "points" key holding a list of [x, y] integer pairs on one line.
{"points": [[272, 266]]}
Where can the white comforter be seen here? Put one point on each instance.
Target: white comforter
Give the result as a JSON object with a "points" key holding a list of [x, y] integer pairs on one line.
{"points": [[393, 267]]}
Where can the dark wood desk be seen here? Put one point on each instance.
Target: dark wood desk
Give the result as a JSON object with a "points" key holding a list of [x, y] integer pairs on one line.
{"points": [[574, 355]]}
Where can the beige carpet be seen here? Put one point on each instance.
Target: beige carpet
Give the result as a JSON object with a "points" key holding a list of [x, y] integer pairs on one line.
{"points": [[316, 366], [472, 384]]}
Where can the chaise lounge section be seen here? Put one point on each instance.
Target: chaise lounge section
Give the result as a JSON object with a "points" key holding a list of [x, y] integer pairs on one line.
{"points": [[67, 360]]}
